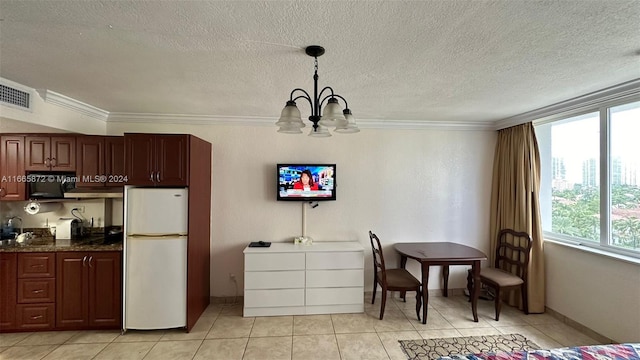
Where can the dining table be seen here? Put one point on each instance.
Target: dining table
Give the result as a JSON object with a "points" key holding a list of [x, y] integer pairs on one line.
{"points": [[443, 254]]}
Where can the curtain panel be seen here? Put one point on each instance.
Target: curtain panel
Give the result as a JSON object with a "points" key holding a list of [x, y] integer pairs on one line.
{"points": [[515, 203]]}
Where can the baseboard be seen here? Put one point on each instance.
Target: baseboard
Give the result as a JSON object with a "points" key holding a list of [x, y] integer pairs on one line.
{"points": [[432, 292], [228, 300], [578, 326]]}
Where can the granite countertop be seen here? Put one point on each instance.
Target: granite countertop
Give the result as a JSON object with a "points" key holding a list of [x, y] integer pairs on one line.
{"points": [[44, 242]]}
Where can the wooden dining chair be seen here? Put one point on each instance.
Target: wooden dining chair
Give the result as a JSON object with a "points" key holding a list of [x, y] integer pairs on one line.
{"points": [[509, 257], [391, 279]]}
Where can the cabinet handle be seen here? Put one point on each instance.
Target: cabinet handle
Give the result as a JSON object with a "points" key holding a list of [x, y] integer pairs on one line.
{"points": [[90, 260], [37, 291], [84, 260], [56, 164], [47, 162], [2, 191], [37, 266], [158, 176], [36, 317], [151, 177]]}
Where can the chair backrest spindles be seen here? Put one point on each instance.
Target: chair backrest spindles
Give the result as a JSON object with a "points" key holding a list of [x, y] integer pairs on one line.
{"points": [[507, 253], [378, 257]]}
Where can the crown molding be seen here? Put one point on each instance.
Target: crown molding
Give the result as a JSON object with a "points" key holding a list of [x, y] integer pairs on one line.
{"points": [[425, 124], [52, 97], [596, 98], [270, 121], [120, 117]]}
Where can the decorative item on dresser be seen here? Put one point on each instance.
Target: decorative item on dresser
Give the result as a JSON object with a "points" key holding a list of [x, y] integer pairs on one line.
{"points": [[290, 279]]}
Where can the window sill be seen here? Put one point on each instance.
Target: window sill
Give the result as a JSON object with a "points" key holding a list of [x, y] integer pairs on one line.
{"points": [[589, 249]]}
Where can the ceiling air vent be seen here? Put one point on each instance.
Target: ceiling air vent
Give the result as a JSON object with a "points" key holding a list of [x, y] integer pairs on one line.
{"points": [[14, 97]]}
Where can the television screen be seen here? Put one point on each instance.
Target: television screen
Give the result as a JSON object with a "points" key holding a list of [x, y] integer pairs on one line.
{"points": [[306, 182]]}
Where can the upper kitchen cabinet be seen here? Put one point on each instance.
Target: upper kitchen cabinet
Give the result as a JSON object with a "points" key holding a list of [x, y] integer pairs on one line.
{"points": [[156, 159], [12, 168], [100, 160], [114, 160], [50, 153]]}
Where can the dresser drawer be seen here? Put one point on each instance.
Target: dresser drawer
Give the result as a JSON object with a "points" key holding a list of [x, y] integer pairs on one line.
{"points": [[269, 298], [335, 260], [280, 261], [36, 291], [36, 265], [335, 296], [35, 316], [274, 279], [334, 278]]}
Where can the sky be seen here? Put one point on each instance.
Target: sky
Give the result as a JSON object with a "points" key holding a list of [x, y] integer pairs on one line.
{"points": [[578, 140]]}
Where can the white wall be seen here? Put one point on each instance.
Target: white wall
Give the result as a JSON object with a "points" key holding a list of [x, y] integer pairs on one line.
{"points": [[596, 291], [419, 185]]}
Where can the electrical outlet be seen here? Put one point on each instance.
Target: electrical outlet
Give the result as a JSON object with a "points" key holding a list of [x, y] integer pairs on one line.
{"points": [[80, 209]]}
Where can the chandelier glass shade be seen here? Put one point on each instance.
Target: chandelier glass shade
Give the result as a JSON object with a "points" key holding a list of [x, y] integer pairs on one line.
{"points": [[332, 116]]}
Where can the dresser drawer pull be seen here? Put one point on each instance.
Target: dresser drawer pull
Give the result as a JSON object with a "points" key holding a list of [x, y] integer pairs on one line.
{"points": [[36, 317], [37, 266], [37, 291]]}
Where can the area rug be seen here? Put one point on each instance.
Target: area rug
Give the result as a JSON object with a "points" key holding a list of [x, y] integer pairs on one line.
{"points": [[427, 349]]}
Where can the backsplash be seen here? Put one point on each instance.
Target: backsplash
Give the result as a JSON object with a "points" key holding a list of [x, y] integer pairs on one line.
{"points": [[93, 208]]}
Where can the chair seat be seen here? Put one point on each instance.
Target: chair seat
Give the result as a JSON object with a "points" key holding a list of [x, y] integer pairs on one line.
{"points": [[400, 278], [500, 277]]}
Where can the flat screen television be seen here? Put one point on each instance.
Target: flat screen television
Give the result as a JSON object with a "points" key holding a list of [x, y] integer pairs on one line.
{"points": [[306, 182]]}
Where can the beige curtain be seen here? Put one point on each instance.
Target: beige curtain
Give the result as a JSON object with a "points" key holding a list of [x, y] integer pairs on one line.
{"points": [[515, 203]]}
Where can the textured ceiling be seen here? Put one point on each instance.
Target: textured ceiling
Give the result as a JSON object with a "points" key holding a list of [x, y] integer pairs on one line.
{"points": [[451, 61]]}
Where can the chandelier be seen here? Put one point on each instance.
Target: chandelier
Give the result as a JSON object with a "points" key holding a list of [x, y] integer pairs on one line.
{"points": [[332, 116]]}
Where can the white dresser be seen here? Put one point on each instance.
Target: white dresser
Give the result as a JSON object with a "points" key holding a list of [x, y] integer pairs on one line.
{"points": [[289, 279]]}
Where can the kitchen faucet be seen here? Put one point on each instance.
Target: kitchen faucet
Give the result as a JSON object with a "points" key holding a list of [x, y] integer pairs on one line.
{"points": [[10, 222]]}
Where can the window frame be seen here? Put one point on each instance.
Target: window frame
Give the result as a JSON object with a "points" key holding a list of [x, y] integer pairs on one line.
{"points": [[603, 108]]}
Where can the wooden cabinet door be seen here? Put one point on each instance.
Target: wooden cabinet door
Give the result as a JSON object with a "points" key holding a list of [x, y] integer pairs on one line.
{"points": [[105, 289], [37, 151], [140, 167], [12, 168], [63, 153], [8, 286], [172, 157], [90, 163], [72, 290], [114, 160]]}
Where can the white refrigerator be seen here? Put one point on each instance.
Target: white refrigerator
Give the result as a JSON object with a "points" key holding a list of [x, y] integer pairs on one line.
{"points": [[155, 252]]}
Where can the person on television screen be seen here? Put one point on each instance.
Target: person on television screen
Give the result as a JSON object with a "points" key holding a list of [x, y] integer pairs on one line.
{"points": [[306, 182]]}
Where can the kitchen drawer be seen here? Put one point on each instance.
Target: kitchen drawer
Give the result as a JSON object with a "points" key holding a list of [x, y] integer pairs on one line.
{"points": [[335, 296], [334, 278], [36, 265], [274, 280], [335, 260], [279, 261], [274, 298], [35, 316], [36, 291]]}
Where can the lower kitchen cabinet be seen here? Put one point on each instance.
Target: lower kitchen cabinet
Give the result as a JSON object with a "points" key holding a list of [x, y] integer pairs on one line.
{"points": [[88, 290], [8, 286]]}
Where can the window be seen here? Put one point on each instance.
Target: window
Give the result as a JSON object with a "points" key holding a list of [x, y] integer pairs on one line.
{"points": [[590, 177]]}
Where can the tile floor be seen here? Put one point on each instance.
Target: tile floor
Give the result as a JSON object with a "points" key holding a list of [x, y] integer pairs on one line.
{"points": [[222, 333]]}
